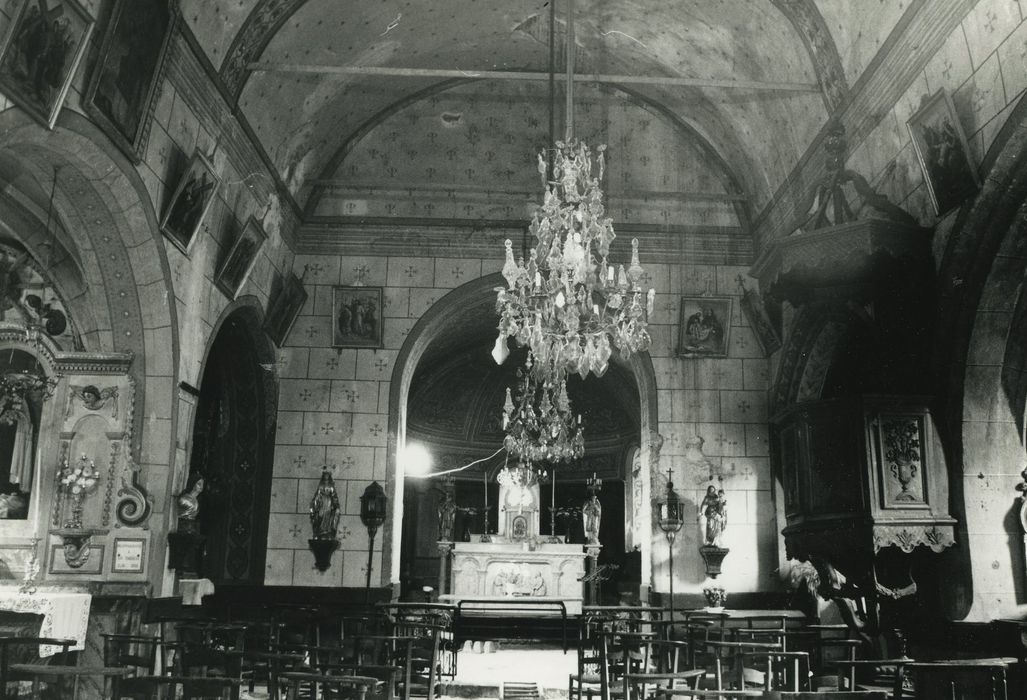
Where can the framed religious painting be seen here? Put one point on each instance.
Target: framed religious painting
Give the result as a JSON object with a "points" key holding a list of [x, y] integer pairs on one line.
{"points": [[705, 327], [125, 81], [190, 202], [756, 314], [284, 307], [239, 261], [40, 54], [943, 152], [357, 317]]}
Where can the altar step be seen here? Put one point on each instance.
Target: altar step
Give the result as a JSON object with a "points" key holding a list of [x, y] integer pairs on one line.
{"points": [[520, 691]]}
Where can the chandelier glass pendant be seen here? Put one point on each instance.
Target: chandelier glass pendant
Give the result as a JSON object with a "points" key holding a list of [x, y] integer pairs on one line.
{"points": [[540, 426], [568, 303]]}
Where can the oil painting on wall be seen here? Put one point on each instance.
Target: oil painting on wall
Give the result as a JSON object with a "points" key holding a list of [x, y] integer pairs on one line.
{"points": [[124, 82], [356, 314], [40, 54]]}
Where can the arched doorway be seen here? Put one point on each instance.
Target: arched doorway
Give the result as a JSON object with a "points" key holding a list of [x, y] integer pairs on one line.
{"points": [[465, 307], [233, 442]]}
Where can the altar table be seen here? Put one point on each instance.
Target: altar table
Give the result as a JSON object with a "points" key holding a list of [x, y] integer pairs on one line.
{"points": [[65, 613]]}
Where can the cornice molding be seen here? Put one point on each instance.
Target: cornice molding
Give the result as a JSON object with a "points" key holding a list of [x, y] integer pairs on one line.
{"points": [[462, 238]]}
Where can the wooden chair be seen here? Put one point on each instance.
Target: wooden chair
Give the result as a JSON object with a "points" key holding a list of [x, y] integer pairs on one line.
{"points": [[135, 652], [826, 695], [586, 679], [204, 662], [189, 688], [963, 679], [332, 687], [879, 674], [22, 648]]}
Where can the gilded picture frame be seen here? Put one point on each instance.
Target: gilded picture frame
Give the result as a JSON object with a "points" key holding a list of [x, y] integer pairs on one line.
{"points": [[943, 152], [357, 317], [125, 81], [190, 202], [35, 78], [236, 267], [284, 308], [704, 328]]}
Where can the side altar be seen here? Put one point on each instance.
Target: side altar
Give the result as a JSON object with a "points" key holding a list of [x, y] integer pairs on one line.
{"points": [[517, 562]]}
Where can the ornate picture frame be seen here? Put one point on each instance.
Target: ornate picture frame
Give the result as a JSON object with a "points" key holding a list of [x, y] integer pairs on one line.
{"points": [[232, 273], [943, 151], [190, 202], [125, 82], [38, 81], [704, 328], [284, 307], [357, 317]]}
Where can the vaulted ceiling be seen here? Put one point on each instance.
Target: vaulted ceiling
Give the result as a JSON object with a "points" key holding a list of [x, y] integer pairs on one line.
{"points": [[288, 63]]}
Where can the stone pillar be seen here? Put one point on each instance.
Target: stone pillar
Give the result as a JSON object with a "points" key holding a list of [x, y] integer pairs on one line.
{"points": [[444, 551]]}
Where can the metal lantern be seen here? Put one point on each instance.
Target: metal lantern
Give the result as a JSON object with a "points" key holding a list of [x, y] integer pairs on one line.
{"points": [[372, 514], [671, 518]]}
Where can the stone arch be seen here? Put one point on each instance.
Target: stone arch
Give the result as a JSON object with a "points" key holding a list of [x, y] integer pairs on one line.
{"points": [[105, 208], [429, 327], [239, 389], [980, 367]]}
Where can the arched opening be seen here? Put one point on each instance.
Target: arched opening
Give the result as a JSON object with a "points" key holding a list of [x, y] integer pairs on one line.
{"points": [[233, 443], [454, 412], [457, 323]]}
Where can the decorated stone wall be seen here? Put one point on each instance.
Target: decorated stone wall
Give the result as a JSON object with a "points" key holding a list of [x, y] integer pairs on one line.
{"points": [[334, 411]]}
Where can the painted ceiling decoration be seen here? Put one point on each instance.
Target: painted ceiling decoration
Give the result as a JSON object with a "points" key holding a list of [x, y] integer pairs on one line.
{"points": [[815, 35], [685, 59]]}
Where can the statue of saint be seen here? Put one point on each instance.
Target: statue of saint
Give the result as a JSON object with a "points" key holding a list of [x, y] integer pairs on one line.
{"points": [[189, 503], [712, 516], [591, 514], [324, 509], [447, 516]]}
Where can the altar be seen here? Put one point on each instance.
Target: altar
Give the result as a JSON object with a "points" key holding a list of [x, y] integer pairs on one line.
{"points": [[517, 563]]}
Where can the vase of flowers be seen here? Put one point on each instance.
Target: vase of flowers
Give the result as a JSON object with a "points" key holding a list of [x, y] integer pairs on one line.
{"points": [[78, 480]]}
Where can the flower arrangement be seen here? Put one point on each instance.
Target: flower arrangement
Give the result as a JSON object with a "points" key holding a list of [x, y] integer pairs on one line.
{"points": [[77, 480], [15, 387], [80, 477]]}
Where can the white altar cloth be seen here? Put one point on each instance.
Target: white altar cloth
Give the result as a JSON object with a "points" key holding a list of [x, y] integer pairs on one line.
{"points": [[65, 613]]}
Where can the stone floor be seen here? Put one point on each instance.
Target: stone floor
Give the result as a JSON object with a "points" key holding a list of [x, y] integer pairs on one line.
{"points": [[482, 675]]}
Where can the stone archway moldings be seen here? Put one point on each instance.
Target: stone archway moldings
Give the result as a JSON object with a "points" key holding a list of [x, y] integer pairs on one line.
{"points": [[429, 327]]}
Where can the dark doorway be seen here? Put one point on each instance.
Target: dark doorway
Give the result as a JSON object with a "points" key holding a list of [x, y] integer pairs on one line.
{"points": [[233, 441]]}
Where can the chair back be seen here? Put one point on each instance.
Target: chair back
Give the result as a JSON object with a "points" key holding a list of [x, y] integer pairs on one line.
{"points": [[976, 679], [332, 687], [131, 651], [189, 688]]}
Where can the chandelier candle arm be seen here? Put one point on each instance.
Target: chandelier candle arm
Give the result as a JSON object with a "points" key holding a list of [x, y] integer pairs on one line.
{"points": [[568, 303]]}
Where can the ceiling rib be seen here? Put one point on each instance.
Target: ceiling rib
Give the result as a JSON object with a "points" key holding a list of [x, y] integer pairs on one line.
{"points": [[436, 73], [392, 187]]}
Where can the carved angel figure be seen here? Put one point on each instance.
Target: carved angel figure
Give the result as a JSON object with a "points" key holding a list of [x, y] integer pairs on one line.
{"points": [[95, 399]]}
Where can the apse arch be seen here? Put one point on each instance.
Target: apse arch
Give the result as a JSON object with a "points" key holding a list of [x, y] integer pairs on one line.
{"points": [[432, 324]]}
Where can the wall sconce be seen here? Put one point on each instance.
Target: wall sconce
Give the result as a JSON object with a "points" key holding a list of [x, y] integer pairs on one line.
{"points": [[324, 521], [372, 514]]}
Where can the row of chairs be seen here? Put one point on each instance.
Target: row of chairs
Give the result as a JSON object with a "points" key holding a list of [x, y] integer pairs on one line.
{"points": [[638, 654]]}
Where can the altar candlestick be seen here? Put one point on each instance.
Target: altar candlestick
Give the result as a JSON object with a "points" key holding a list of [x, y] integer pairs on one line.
{"points": [[485, 478]]}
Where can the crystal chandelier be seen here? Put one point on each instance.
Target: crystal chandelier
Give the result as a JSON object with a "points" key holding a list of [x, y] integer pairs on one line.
{"points": [[541, 426], [568, 303]]}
